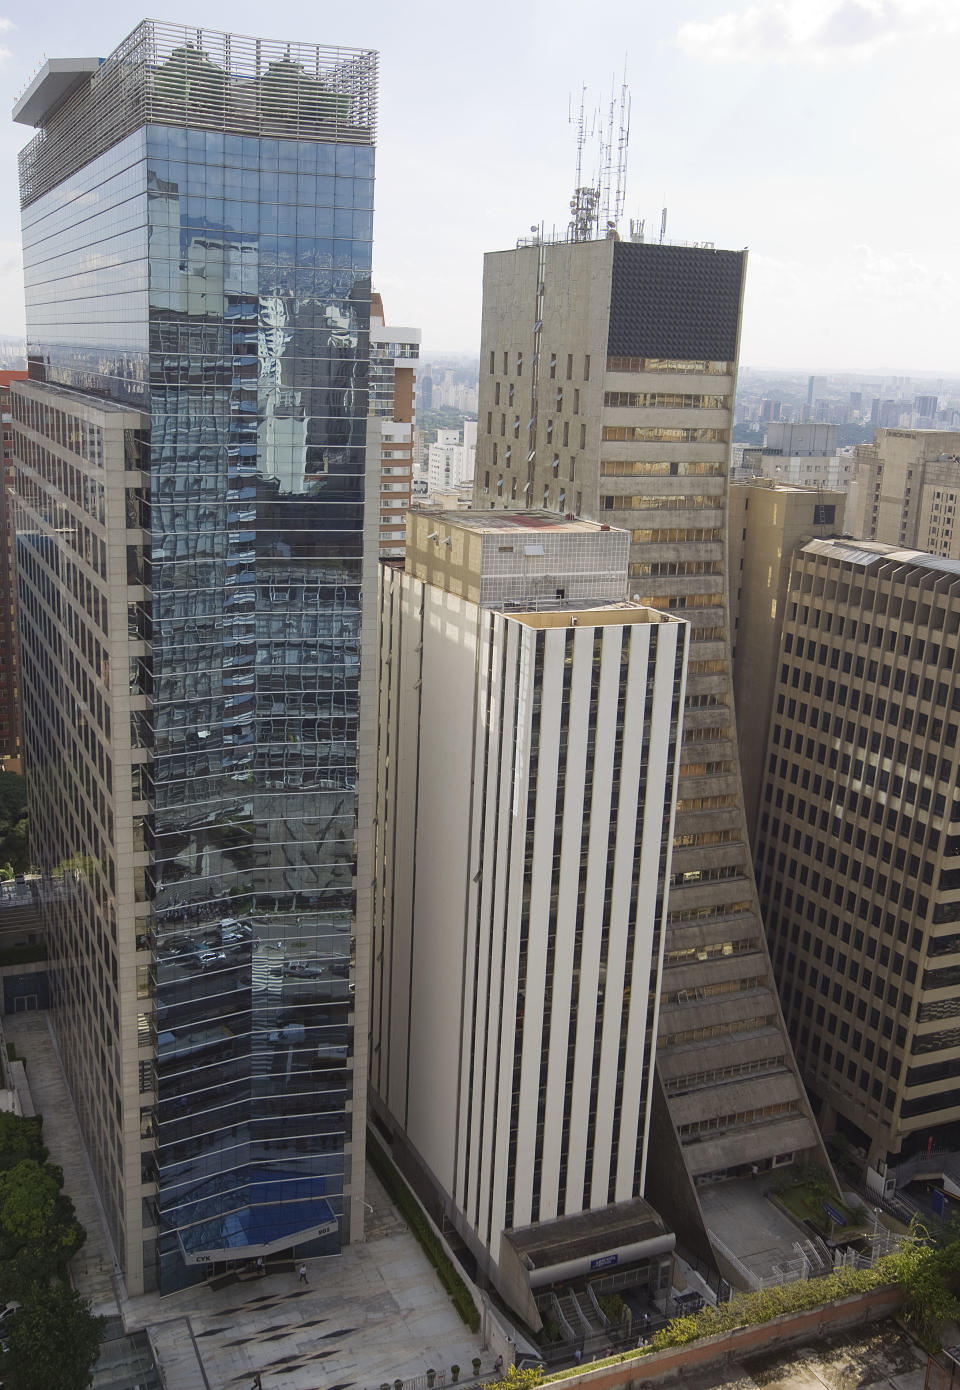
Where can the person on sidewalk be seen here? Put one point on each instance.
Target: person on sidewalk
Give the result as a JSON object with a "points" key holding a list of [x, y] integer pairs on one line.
{"points": [[303, 1274], [498, 1365]]}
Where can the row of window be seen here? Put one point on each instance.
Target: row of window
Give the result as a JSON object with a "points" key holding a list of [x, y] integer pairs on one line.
{"points": [[668, 364], [659, 468], [738, 1117], [663, 434], [667, 400], [553, 366]]}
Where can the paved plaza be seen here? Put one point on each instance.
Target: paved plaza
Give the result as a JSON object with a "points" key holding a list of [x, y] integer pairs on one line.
{"points": [[757, 1232], [375, 1314]]}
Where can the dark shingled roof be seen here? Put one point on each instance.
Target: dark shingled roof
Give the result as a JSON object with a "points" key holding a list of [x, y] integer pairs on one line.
{"points": [[588, 1233], [674, 301]]}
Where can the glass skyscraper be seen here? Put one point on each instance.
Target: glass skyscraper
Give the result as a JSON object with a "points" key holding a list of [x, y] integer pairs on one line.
{"points": [[197, 214]]}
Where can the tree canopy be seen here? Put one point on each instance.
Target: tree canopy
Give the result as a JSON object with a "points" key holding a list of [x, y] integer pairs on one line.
{"points": [[53, 1340]]}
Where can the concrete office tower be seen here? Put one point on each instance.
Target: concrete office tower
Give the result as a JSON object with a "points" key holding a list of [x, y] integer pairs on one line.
{"points": [[394, 354], [804, 455], [607, 383], [906, 489], [858, 854], [767, 522], [527, 774], [190, 454]]}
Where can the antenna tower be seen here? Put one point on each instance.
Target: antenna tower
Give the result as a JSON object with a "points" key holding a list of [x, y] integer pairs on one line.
{"points": [[598, 202]]}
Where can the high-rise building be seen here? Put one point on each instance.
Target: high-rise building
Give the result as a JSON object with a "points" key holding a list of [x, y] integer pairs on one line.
{"points": [[9, 663], [925, 408], [805, 455], [767, 522], [528, 733], [607, 384], [858, 851], [393, 397], [451, 460], [190, 452], [906, 490]]}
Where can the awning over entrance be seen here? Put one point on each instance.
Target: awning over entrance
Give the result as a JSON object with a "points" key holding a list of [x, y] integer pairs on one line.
{"points": [[571, 1247], [271, 1211]]}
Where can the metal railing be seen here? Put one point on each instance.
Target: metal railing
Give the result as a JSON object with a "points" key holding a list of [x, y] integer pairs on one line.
{"points": [[179, 75]]}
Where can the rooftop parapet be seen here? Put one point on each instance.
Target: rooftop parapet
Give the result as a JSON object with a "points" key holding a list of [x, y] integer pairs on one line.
{"points": [[175, 75]]}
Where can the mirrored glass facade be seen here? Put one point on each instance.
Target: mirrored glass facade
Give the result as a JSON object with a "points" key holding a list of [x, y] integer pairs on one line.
{"points": [[219, 281]]}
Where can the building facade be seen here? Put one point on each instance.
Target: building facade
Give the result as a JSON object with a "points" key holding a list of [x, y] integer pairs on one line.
{"points": [[394, 353], [858, 851], [767, 522], [9, 659], [528, 738], [805, 455], [451, 459], [608, 374], [190, 452], [906, 490]]}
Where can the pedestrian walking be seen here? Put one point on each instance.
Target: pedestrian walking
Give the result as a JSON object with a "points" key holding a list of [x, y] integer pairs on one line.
{"points": [[577, 1355], [303, 1274], [257, 1382], [260, 1269], [498, 1365]]}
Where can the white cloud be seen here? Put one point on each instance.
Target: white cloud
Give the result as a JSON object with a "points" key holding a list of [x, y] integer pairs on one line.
{"points": [[817, 31], [844, 305]]}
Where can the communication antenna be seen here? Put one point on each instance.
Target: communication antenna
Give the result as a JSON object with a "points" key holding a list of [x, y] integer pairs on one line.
{"points": [[663, 225], [623, 147], [598, 202], [585, 200]]}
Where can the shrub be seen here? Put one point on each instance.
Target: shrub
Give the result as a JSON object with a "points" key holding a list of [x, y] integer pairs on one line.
{"points": [[412, 1213]]}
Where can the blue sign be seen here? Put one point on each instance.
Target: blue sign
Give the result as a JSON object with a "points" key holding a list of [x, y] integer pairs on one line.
{"points": [[834, 1215], [604, 1261], [938, 1202]]}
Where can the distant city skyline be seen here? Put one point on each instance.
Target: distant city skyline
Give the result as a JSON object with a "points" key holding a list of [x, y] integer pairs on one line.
{"points": [[816, 111]]}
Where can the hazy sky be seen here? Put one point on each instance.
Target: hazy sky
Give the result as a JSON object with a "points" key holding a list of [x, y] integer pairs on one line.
{"points": [[819, 133]]}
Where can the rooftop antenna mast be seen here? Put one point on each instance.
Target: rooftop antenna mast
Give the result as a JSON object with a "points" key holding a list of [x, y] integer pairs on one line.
{"points": [[623, 148], [606, 168], [584, 204]]}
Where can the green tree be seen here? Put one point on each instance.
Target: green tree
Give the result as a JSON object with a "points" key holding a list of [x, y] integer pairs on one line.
{"points": [[28, 1202], [39, 1230], [14, 846], [20, 1138], [53, 1341], [930, 1279]]}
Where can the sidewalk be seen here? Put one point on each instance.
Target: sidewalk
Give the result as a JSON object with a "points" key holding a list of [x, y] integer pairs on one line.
{"points": [[94, 1268], [377, 1313]]}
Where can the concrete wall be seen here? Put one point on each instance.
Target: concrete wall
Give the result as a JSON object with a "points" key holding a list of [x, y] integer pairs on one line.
{"points": [[788, 1330]]}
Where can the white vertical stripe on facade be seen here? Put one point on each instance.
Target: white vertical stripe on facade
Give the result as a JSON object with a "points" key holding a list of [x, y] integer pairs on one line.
{"points": [[564, 995], [532, 1005], [637, 717], [442, 828], [625, 797], [489, 738], [503, 963], [603, 734]]}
